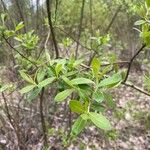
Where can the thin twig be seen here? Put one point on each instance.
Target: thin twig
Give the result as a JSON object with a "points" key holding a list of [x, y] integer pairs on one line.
{"points": [[136, 88], [124, 83], [6, 40], [51, 27], [113, 19], [75, 40], [11, 121], [80, 28], [106, 31], [131, 61]]}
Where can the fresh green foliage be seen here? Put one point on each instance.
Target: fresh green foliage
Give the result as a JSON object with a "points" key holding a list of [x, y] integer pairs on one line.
{"points": [[78, 126], [46, 82], [147, 82], [95, 68], [81, 82], [26, 77], [63, 95], [111, 81], [76, 106], [78, 81], [28, 40], [19, 26], [100, 121], [27, 89], [98, 96], [4, 87], [144, 13]]}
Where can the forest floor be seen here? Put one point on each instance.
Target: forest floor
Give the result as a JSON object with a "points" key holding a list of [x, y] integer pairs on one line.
{"points": [[131, 122]]}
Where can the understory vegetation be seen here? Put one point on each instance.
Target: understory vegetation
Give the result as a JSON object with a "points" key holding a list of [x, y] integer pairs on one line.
{"points": [[74, 74]]}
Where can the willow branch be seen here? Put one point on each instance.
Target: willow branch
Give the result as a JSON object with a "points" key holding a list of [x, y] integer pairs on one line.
{"points": [[51, 28], [6, 40], [124, 83], [11, 120], [136, 88], [113, 19], [131, 61], [80, 27]]}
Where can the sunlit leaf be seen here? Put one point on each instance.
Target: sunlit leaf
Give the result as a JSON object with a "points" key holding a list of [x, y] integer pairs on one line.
{"points": [[66, 80], [148, 3], [81, 81], [4, 87], [27, 89], [139, 22], [100, 121], [76, 106], [40, 75], [95, 67], [112, 80], [26, 77], [19, 26], [46, 82], [78, 125], [63, 95], [98, 96], [58, 69]]}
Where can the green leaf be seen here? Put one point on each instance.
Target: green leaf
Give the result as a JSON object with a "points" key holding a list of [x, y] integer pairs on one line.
{"points": [[71, 73], [95, 67], [5, 87], [113, 80], [148, 3], [85, 116], [19, 26], [147, 82], [58, 69], [33, 94], [9, 33], [100, 121], [78, 126], [105, 71], [98, 96], [27, 89], [3, 18], [46, 82], [63, 95], [26, 77], [139, 22], [77, 62], [66, 80], [40, 75], [18, 39], [97, 107], [76, 106], [48, 57], [109, 100], [81, 81]]}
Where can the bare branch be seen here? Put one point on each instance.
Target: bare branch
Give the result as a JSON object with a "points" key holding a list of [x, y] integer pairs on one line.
{"points": [[136, 88], [131, 61], [113, 19], [51, 27], [80, 27]]}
